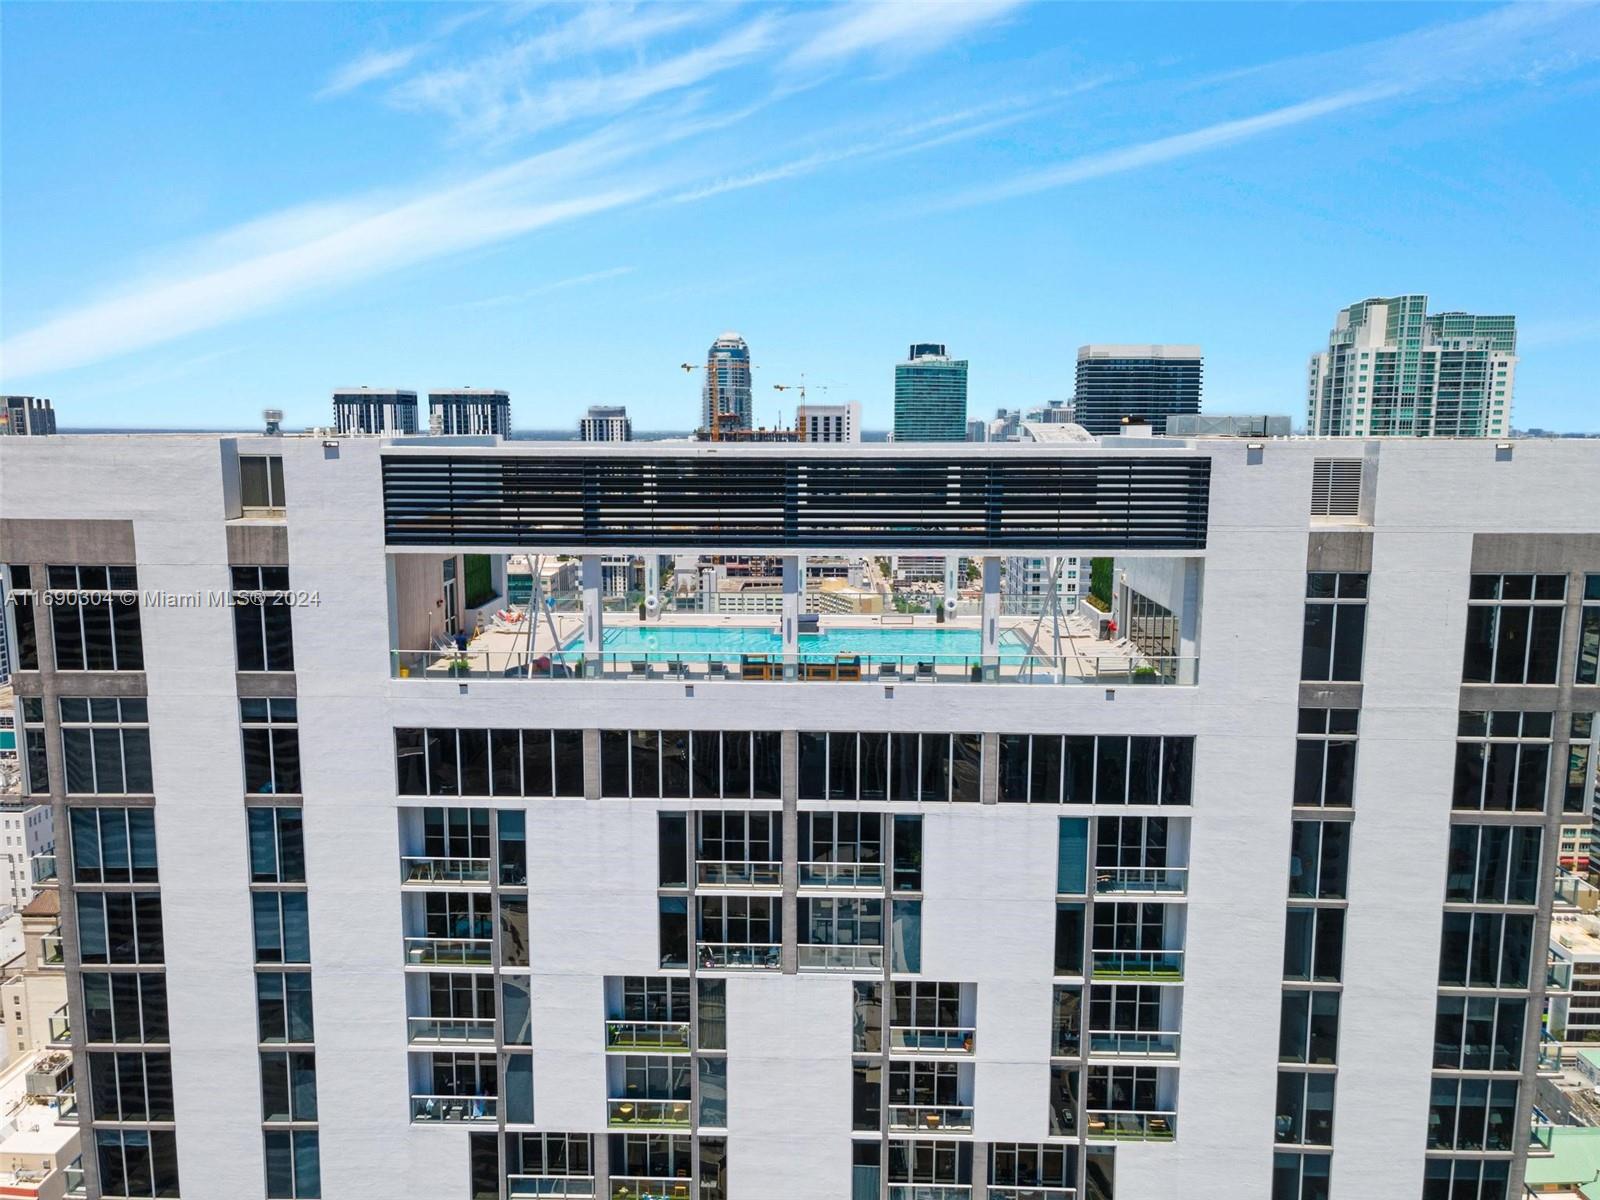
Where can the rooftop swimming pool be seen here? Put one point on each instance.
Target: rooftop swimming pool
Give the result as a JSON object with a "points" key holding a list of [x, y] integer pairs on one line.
{"points": [[734, 640]]}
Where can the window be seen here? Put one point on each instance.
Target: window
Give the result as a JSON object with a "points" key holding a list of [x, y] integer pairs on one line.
{"points": [[1319, 860], [852, 841], [19, 610], [1325, 758], [120, 928], [1488, 950], [283, 1006], [1066, 1022], [930, 1162], [139, 1163], [1514, 628], [891, 766], [277, 846], [703, 765], [548, 1154], [288, 1085], [1583, 753], [740, 930], [1313, 946], [1309, 1029], [655, 1077], [1300, 1176], [260, 482], [1472, 1114], [131, 1086], [113, 845], [1024, 1165], [1465, 1179], [94, 615], [731, 843], [489, 762], [649, 998], [1069, 939], [1151, 627], [840, 922], [1589, 632], [1305, 1108], [262, 635], [126, 1007], [1479, 1033], [1502, 761], [271, 741], [1052, 769], [455, 833], [294, 1169], [1493, 864], [1335, 626], [281, 932], [105, 745]]}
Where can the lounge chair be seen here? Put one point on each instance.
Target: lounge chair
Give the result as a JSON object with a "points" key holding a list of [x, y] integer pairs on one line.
{"points": [[716, 669], [888, 670], [849, 666], [639, 669], [925, 671]]}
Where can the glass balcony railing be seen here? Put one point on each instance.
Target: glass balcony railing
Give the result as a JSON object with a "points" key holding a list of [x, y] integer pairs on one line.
{"points": [[1142, 881], [930, 1118], [740, 874], [65, 1103], [454, 1109], [1558, 976], [931, 1039], [60, 1026], [841, 875], [1130, 1125], [648, 1114], [51, 953], [841, 958], [739, 955], [449, 1031], [1109, 1042], [43, 867], [671, 1037], [1009, 1192], [1138, 964], [73, 1178], [930, 1191], [449, 952], [420, 869], [646, 1187], [549, 1185]]}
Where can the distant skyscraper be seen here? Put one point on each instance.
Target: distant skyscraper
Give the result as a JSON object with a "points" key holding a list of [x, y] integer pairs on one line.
{"points": [[605, 423], [469, 411], [828, 422], [1391, 369], [374, 410], [727, 378], [1147, 382], [930, 396], [21, 415]]}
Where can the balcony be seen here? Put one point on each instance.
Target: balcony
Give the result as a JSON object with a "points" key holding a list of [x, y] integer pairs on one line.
{"points": [[930, 1118], [43, 867], [841, 958], [996, 1192], [549, 1185], [77, 1189], [60, 1028], [1161, 966], [65, 1104], [449, 952], [667, 1037], [713, 874], [1141, 881], [931, 1039], [647, 1187], [1131, 1125], [1116, 1043], [454, 1109], [443, 872], [866, 876], [1558, 977], [738, 956], [51, 953], [450, 1031], [648, 1114], [930, 1191]]}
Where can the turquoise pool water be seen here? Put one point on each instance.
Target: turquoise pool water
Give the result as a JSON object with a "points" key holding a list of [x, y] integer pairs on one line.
{"points": [[733, 640]]}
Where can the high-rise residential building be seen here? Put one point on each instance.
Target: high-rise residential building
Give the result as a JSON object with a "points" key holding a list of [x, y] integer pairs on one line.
{"points": [[1143, 383], [930, 396], [605, 423], [828, 422], [469, 411], [354, 911], [726, 389], [1392, 369], [20, 415], [374, 411]]}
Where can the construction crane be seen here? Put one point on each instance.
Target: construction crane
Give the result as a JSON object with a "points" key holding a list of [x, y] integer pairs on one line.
{"points": [[800, 433]]}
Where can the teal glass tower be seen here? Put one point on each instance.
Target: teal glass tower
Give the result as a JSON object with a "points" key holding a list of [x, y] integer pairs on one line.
{"points": [[930, 396]]}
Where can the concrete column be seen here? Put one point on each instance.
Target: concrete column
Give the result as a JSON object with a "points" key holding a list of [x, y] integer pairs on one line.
{"points": [[990, 618], [952, 583], [591, 764], [989, 788], [590, 576], [652, 584], [794, 574], [790, 789]]}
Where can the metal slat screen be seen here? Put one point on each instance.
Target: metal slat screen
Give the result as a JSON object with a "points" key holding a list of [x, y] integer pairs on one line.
{"points": [[1336, 487], [1068, 503]]}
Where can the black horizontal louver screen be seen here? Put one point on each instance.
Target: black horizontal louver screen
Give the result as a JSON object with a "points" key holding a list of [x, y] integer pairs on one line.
{"points": [[1071, 503]]}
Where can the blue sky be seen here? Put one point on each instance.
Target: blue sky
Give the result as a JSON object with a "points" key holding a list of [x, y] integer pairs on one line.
{"points": [[212, 210]]}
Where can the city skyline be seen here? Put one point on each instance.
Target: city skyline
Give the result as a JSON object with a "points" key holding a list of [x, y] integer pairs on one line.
{"points": [[258, 251]]}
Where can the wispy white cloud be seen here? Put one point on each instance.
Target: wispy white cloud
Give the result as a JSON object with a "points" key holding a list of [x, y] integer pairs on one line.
{"points": [[1562, 331], [544, 289], [894, 29], [367, 67]]}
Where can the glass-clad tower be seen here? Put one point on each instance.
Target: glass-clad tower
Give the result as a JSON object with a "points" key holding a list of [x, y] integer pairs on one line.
{"points": [[1149, 383], [727, 379], [930, 396]]}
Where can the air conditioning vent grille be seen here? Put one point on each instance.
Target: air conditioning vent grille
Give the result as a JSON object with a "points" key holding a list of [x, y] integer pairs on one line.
{"points": [[1336, 487]]}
